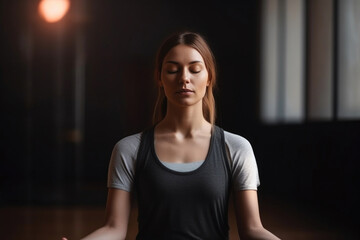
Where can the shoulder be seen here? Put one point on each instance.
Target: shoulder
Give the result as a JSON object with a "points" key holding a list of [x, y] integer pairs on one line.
{"points": [[131, 139], [235, 141], [128, 144], [239, 149], [125, 151]]}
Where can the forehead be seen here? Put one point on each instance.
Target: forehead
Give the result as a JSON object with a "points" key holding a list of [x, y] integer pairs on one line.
{"points": [[183, 54]]}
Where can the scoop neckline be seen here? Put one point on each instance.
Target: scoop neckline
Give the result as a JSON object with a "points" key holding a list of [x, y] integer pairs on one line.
{"points": [[158, 161]]}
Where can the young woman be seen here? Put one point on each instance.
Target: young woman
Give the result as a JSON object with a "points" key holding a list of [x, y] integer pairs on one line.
{"points": [[183, 169]]}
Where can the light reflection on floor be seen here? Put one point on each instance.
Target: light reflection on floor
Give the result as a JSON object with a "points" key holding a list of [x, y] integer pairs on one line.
{"points": [[44, 223]]}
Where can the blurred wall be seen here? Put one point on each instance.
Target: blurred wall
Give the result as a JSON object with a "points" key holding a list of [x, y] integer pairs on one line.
{"points": [[50, 158]]}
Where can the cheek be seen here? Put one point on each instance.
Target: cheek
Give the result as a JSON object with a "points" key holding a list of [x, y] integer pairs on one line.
{"points": [[205, 80], [167, 79]]}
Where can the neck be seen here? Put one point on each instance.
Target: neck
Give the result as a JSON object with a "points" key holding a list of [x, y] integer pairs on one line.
{"points": [[185, 120]]}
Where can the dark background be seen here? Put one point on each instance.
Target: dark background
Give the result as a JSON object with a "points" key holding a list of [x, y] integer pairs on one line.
{"points": [[310, 164]]}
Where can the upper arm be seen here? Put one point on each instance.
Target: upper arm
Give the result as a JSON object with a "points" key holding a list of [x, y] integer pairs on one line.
{"points": [[118, 209], [121, 170], [247, 210], [242, 161], [120, 182]]}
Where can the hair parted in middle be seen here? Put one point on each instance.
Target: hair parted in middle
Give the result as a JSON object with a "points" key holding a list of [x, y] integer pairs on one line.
{"points": [[198, 42]]}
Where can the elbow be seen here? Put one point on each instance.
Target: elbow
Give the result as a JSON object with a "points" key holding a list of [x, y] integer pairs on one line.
{"points": [[256, 233], [249, 233], [116, 230]]}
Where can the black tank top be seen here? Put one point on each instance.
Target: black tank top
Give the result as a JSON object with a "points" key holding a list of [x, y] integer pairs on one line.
{"points": [[183, 205]]}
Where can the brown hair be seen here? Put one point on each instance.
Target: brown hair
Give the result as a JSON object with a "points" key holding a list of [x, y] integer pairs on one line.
{"points": [[197, 42]]}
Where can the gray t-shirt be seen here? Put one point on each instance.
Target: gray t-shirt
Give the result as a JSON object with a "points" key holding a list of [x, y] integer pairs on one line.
{"points": [[241, 156]]}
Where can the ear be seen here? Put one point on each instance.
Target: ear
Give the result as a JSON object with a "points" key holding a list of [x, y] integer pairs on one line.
{"points": [[160, 84]]}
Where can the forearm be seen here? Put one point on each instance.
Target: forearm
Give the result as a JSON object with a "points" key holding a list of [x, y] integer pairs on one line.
{"points": [[258, 234], [106, 233]]}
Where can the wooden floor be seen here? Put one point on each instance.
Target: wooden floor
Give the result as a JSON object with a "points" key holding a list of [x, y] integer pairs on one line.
{"points": [[45, 223]]}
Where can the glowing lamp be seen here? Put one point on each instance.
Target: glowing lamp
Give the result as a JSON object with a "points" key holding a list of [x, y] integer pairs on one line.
{"points": [[53, 10]]}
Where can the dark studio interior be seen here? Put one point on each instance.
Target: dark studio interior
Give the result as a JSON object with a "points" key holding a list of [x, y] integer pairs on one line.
{"points": [[71, 89]]}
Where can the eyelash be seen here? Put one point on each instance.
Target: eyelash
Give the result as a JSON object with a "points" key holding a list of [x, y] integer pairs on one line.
{"points": [[173, 72]]}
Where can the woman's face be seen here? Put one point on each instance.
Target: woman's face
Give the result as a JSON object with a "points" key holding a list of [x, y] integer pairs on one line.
{"points": [[184, 76]]}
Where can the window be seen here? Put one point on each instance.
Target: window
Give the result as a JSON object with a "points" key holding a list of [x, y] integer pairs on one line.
{"points": [[310, 60], [349, 59]]}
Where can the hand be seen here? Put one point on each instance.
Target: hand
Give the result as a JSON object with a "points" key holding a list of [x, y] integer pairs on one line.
{"points": [[64, 238]]}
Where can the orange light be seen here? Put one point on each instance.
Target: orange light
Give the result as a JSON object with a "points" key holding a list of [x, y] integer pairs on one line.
{"points": [[53, 10]]}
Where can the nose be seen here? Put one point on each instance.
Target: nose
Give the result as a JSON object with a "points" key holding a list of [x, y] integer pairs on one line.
{"points": [[184, 77]]}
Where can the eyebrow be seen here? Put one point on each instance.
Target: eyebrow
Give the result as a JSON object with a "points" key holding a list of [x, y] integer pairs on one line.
{"points": [[192, 62]]}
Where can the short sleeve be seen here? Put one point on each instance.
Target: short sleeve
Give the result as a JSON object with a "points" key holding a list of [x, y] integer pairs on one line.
{"points": [[244, 169], [121, 170]]}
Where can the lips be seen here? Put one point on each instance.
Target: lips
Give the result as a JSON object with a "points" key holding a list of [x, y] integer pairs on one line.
{"points": [[185, 91]]}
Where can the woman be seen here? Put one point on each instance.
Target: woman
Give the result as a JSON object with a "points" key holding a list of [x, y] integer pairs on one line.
{"points": [[183, 169]]}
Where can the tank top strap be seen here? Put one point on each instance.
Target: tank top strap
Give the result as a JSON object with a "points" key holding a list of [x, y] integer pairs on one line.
{"points": [[220, 134], [144, 150]]}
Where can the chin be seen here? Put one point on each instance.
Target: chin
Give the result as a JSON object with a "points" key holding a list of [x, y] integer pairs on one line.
{"points": [[185, 103]]}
